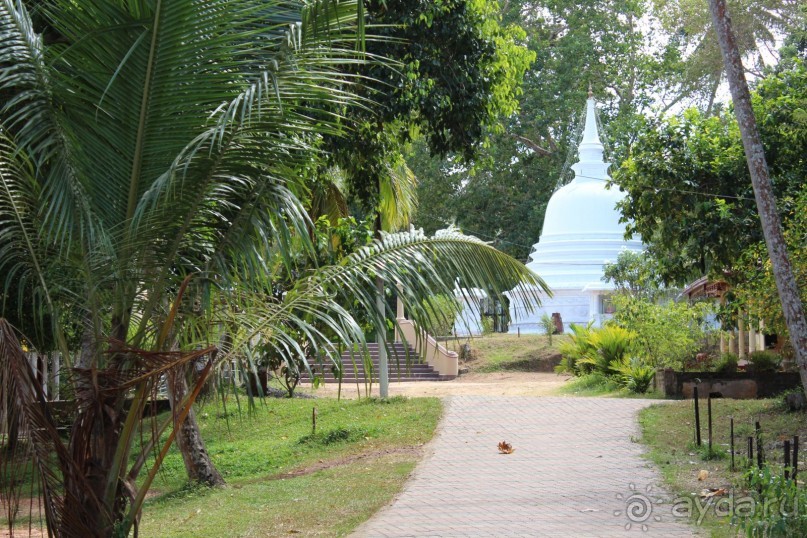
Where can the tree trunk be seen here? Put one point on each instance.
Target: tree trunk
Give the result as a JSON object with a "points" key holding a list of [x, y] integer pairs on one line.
{"points": [[766, 203], [199, 466]]}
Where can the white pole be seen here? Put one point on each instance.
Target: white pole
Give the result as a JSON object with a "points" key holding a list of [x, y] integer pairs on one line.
{"points": [[383, 366]]}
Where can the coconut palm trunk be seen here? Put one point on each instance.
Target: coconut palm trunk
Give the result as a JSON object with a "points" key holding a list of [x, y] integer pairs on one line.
{"points": [[789, 296], [198, 464]]}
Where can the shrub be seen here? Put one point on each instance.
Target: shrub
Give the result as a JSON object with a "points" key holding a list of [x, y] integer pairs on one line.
{"points": [[779, 505], [611, 344], [635, 374], [665, 333], [548, 324], [487, 325], [727, 363], [575, 348], [765, 361]]}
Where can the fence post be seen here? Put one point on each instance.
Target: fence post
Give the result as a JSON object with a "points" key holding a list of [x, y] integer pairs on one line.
{"points": [[697, 417], [731, 442]]}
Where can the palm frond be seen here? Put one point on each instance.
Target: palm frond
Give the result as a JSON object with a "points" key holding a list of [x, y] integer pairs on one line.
{"points": [[23, 398], [421, 267], [36, 123]]}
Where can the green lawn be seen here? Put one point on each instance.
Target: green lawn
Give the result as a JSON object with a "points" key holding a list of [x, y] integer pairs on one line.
{"points": [[282, 478], [510, 352], [668, 431], [599, 385]]}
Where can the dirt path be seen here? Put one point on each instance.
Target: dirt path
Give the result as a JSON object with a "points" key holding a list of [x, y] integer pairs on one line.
{"points": [[494, 384]]}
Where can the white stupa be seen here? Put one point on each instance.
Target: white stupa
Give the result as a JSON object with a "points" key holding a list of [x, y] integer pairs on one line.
{"points": [[581, 233]]}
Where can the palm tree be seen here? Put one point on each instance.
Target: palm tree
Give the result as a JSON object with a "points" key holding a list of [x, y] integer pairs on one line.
{"points": [[152, 159]]}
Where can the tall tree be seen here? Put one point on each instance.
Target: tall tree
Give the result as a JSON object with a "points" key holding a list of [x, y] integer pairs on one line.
{"points": [[758, 25], [766, 202], [502, 194], [691, 169]]}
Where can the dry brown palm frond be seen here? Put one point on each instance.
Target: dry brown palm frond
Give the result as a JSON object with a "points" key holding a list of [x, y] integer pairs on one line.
{"points": [[69, 475], [26, 405]]}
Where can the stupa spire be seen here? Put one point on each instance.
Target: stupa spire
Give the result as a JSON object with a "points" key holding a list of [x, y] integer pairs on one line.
{"points": [[590, 165]]}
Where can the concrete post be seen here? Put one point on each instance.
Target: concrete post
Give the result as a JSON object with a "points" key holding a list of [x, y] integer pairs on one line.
{"points": [[383, 366], [741, 341], [752, 337], [594, 309], [761, 335], [399, 314]]}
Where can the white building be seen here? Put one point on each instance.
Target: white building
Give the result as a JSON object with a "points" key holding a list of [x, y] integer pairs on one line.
{"points": [[581, 233], [469, 319]]}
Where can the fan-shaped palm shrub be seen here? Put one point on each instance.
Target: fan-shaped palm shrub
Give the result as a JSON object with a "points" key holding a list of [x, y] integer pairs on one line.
{"points": [[577, 347], [635, 374], [610, 345]]}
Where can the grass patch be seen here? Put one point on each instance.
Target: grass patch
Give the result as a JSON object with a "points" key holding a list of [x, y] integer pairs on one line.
{"points": [[597, 384], [276, 436], [330, 502], [668, 431], [509, 352], [284, 478]]}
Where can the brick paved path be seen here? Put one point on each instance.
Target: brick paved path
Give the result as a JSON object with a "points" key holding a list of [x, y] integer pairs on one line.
{"points": [[573, 457]]}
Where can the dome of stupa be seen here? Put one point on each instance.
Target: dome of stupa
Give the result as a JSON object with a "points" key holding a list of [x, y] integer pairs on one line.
{"points": [[581, 229]]}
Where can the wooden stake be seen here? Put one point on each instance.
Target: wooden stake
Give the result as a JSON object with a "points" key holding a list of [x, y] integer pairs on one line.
{"points": [[731, 442], [795, 456], [709, 420], [750, 451], [760, 458], [787, 460], [697, 417], [314, 420]]}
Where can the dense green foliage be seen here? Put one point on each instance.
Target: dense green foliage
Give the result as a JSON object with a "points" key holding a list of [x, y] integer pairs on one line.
{"points": [[691, 170], [155, 171], [604, 358], [756, 288], [778, 504], [458, 71], [667, 334], [765, 361], [636, 274]]}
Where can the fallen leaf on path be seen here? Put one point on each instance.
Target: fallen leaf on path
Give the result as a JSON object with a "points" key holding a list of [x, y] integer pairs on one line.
{"points": [[506, 448], [713, 492]]}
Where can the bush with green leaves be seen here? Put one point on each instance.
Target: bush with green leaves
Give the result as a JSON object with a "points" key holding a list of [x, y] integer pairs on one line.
{"points": [[575, 348], [606, 357], [727, 363], [765, 361], [666, 334], [548, 325], [610, 343], [778, 507], [635, 374]]}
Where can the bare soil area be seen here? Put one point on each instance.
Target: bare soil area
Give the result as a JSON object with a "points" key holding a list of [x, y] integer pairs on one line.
{"points": [[473, 384]]}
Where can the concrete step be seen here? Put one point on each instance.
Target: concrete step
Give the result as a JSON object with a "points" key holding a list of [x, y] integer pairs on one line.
{"points": [[404, 365]]}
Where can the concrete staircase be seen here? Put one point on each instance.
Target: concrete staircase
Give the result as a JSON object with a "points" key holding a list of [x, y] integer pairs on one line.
{"points": [[404, 365]]}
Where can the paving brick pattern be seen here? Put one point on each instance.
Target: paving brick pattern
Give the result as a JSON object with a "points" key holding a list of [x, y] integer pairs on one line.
{"points": [[573, 458]]}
